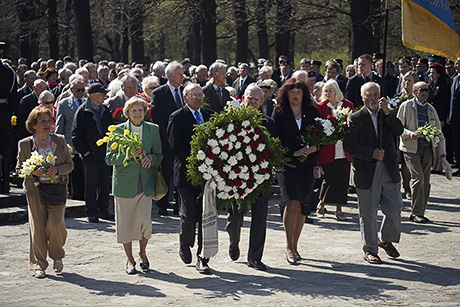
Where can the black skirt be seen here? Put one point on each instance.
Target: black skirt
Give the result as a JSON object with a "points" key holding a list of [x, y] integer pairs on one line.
{"points": [[334, 188], [297, 183]]}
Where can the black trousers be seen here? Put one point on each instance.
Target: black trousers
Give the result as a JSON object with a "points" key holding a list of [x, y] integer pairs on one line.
{"points": [[97, 187], [5, 175], [456, 141], [190, 211], [167, 168], [77, 179], [258, 229]]}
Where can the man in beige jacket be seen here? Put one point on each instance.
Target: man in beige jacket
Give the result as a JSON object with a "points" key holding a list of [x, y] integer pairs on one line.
{"points": [[418, 152]]}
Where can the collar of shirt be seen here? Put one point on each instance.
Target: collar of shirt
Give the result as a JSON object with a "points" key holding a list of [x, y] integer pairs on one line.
{"points": [[216, 87], [373, 114], [244, 79], [193, 111], [124, 96], [370, 76], [419, 103], [75, 100], [94, 107], [330, 105], [173, 89]]}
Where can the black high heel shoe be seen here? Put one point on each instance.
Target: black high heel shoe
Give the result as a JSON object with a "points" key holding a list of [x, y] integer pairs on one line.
{"points": [[145, 265], [291, 260], [130, 271]]}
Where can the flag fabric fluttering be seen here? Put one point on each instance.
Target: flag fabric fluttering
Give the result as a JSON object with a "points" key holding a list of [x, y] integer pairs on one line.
{"points": [[427, 25]]}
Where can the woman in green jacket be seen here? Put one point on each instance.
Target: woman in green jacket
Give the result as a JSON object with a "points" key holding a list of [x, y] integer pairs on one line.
{"points": [[133, 185]]}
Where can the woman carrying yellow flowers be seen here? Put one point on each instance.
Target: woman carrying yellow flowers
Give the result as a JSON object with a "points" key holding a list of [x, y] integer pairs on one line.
{"points": [[133, 149]]}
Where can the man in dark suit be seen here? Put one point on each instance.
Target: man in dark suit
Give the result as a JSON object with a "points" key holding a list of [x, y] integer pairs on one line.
{"points": [[332, 70], [26, 105], [29, 78], [90, 124], [180, 131], [165, 100], [129, 88], [376, 172], [243, 80], [364, 75], [454, 119], [253, 97], [216, 96], [315, 66]]}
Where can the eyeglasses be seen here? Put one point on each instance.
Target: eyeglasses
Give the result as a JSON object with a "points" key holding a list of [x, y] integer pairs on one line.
{"points": [[424, 90], [79, 90], [48, 102], [195, 95]]}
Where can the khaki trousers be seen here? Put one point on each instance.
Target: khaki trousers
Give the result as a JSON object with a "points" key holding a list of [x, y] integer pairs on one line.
{"points": [[47, 232]]}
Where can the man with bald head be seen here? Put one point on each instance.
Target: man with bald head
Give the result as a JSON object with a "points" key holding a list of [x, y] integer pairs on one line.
{"points": [[376, 172]]}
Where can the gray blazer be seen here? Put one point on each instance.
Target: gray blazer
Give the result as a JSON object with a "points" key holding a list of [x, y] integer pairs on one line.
{"points": [[115, 102], [64, 117]]}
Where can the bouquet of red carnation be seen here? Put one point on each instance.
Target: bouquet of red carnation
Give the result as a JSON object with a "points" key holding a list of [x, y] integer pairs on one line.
{"points": [[118, 114]]}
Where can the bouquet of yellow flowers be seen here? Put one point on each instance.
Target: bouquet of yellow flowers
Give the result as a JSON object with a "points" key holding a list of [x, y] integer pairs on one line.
{"points": [[126, 142], [35, 162], [14, 120]]}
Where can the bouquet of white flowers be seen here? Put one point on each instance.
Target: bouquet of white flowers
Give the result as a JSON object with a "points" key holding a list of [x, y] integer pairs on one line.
{"points": [[429, 132], [35, 162]]}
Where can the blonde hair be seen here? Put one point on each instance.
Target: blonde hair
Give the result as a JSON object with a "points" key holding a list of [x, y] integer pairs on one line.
{"points": [[135, 100], [331, 83], [32, 119]]}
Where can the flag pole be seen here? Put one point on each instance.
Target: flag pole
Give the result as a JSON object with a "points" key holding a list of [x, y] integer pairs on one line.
{"points": [[384, 70]]}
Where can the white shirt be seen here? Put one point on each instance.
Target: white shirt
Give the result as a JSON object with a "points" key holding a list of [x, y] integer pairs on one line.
{"points": [[173, 92], [374, 117], [193, 112]]}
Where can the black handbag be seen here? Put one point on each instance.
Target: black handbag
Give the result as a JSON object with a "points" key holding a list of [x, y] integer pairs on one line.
{"points": [[52, 194]]}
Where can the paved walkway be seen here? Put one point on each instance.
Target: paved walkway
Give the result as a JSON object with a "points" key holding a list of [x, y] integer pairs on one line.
{"points": [[333, 272]]}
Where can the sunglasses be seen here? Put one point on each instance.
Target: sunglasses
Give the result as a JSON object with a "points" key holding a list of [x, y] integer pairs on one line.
{"points": [[79, 90], [48, 102], [424, 90]]}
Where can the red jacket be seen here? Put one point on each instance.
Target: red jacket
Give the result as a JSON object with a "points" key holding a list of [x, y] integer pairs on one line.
{"points": [[327, 153]]}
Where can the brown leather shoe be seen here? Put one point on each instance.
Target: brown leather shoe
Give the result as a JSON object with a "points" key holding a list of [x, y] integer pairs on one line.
{"points": [[389, 249], [372, 258]]}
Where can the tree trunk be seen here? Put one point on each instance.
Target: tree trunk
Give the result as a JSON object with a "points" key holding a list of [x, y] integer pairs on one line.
{"points": [[125, 38], [66, 29], [161, 46], [53, 27], [208, 31], [242, 27], [193, 44], [28, 36], [136, 29], [83, 32], [283, 27], [363, 40], [261, 26]]}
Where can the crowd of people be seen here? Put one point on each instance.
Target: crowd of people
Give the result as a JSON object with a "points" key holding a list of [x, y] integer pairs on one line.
{"points": [[61, 102]]}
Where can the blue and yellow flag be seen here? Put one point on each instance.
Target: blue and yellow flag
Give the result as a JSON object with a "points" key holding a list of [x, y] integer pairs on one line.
{"points": [[427, 25]]}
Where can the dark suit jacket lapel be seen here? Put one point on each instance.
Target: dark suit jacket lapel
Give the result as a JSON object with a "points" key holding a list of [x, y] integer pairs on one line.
{"points": [[368, 122], [170, 96]]}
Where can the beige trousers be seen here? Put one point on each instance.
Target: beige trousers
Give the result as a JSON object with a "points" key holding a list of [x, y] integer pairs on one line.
{"points": [[47, 232]]}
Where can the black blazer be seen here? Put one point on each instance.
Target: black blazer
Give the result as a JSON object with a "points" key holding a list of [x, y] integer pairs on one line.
{"points": [[391, 84], [353, 88], [440, 98], [270, 124], [361, 141], [455, 99], [85, 132], [163, 105], [26, 105], [236, 84], [180, 132], [213, 99]]}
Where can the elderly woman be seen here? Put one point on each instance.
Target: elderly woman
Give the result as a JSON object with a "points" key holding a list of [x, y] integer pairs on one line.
{"points": [[46, 223], [333, 160], [148, 85], [46, 99], [134, 185], [440, 99], [295, 111]]}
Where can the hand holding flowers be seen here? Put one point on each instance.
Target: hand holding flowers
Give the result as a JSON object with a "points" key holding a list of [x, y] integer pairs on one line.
{"points": [[38, 165], [429, 132]]}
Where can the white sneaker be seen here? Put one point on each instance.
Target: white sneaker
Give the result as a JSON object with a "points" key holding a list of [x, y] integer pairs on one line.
{"points": [[39, 273], [58, 266]]}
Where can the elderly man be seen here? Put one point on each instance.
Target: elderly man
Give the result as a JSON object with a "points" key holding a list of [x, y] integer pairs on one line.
{"points": [[92, 72], [232, 74], [376, 172], [418, 151], [64, 74], [129, 88], [265, 73], [29, 78], [217, 96], [253, 97], [91, 122], [243, 80], [318, 91], [165, 100], [26, 105], [64, 120], [158, 70], [180, 131], [83, 72], [201, 75], [268, 103]]}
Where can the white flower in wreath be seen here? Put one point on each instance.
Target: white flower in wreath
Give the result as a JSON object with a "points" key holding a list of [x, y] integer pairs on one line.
{"points": [[213, 143], [232, 138], [243, 133], [208, 161], [248, 150], [227, 168], [243, 185], [230, 146], [259, 178], [267, 176], [264, 164], [255, 168], [239, 155], [246, 139], [207, 176], [230, 127], [202, 168], [232, 161], [223, 155], [220, 132], [200, 155], [221, 195], [213, 184], [244, 176], [215, 150], [261, 147], [245, 123], [244, 169], [232, 175], [237, 145], [214, 173], [252, 158], [223, 142]]}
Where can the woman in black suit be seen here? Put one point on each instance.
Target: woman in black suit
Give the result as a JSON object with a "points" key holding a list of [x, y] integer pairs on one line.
{"points": [[295, 111]]}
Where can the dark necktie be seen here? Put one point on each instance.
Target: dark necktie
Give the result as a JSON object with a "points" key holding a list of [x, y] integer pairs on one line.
{"points": [[177, 97], [199, 118], [367, 79], [79, 102], [219, 93]]}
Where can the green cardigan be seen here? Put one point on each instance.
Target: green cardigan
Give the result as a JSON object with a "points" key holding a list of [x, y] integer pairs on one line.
{"points": [[125, 179]]}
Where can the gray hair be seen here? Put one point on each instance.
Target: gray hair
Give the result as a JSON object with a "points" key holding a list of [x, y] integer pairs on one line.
{"points": [[158, 65], [71, 66], [301, 75], [418, 85], [245, 65], [265, 69], [253, 88], [171, 67], [366, 86], [82, 70], [39, 81], [150, 80], [68, 71], [129, 77], [29, 72], [75, 79], [232, 69], [231, 90], [44, 96], [200, 68], [333, 84], [216, 66]]}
